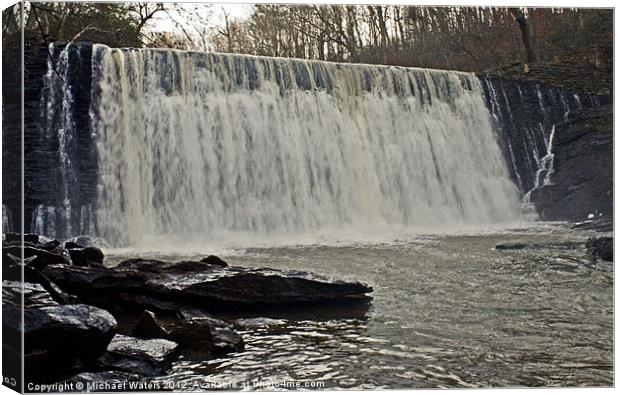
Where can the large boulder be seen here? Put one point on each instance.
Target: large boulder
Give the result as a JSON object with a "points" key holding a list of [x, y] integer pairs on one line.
{"points": [[86, 256], [601, 248], [214, 260], [58, 339], [207, 286], [148, 357], [581, 184], [207, 334]]}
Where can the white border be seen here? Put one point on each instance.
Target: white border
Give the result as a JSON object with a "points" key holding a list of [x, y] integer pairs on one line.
{"points": [[531, 3]]}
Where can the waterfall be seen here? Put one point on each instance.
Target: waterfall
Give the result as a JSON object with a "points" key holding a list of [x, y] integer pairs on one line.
{"points": [[62, 143], [206, 146]]}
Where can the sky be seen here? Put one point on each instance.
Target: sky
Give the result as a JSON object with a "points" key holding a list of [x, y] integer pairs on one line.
{"points": [[212, 12]]}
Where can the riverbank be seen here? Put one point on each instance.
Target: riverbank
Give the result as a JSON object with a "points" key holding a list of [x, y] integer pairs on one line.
{"points": [[132, 321]]}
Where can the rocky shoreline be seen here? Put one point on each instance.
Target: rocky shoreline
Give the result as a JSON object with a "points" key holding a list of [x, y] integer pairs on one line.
{"points": [[85, 322]]}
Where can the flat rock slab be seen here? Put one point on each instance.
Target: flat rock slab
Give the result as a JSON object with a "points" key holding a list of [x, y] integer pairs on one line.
{"points": [[211, 287], [148, 357]]}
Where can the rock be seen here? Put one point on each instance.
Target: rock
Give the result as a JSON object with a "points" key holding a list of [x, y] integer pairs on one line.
{"points": [[42, 257], [15, 238], [214, 260], [199, 333], [14, 273], [87, 256], [58, 339], [597, 224], [226, 341], [32, 240], [148, 327], [70, 245], [35, 295], [85, 241], [148, 357], [259, 322], [205, 286], [511, 246], [601, 248], [582, 180]]}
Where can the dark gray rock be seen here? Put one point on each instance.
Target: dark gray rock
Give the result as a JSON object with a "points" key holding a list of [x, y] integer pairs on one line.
{"points": [[204, 333], [205, 286], [32, 240], [35, 296], [148, 327], [87, 256], [85, 241], [58, 338], [41, 258], [511, 246], [148, 357], [601, 248], [214, 260], [582, 180], [227, 341], [597, 224]]}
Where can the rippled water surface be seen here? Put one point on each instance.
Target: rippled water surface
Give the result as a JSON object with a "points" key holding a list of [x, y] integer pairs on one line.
{"points": [[448, 311]]}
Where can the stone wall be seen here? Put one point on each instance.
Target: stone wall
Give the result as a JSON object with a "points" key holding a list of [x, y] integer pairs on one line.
{"points": [[582, 181], [553, 142], [43, 132]]}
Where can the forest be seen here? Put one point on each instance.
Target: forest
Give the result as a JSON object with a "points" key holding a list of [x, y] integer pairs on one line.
{"points": [[457, 38]]}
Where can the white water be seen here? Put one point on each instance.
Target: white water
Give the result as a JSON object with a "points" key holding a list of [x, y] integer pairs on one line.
{"points": [[205, 147]]}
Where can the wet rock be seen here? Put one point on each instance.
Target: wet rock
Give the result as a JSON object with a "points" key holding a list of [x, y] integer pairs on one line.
{"points": [[41, 258], [259, 322], [214, 260], [87, 256], [203, 334], [597, 224], [35, 296], [15, 238], [148, 327], [85, 241], [32, 240], [205, 286], [58, 339], [601, 248], [227, 341], [581, 184], [511, 246], [148, 357]]}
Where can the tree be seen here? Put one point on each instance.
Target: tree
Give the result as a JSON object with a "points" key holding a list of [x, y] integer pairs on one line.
{"points": [[526, 33]]}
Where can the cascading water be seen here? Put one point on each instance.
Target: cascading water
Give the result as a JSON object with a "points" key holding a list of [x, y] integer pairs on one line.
{"points": [[62, 141], [7, 224], [527, 139], [199, 145]]}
